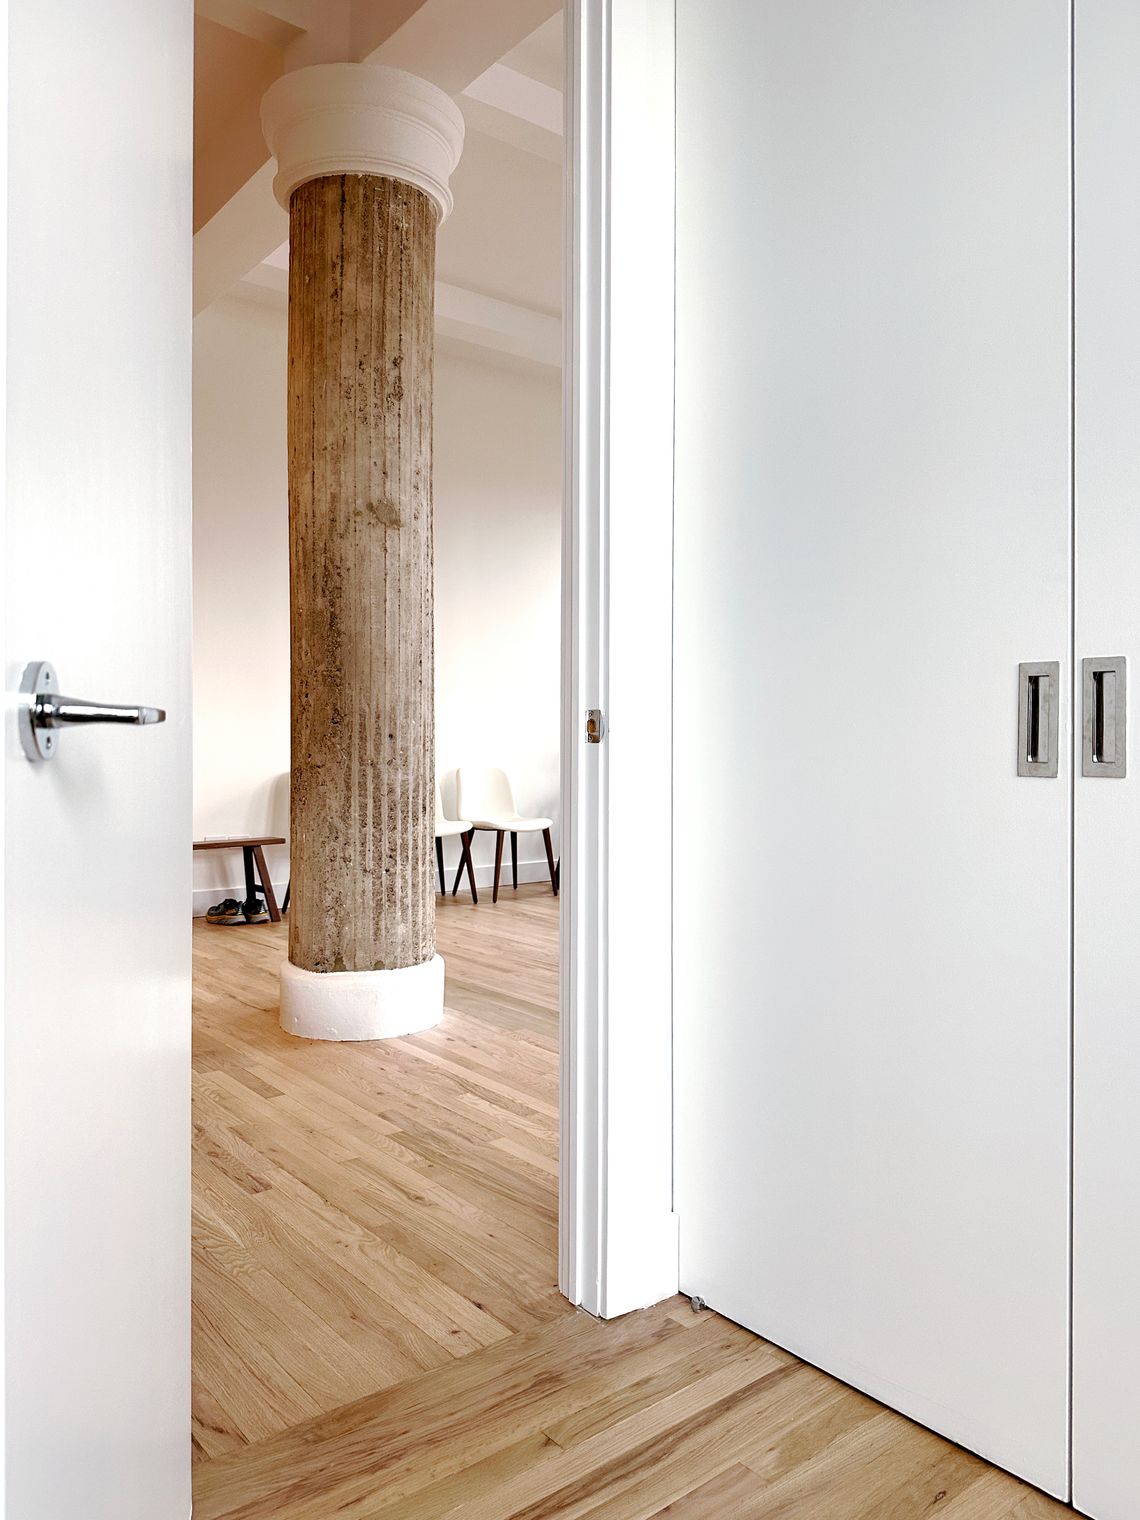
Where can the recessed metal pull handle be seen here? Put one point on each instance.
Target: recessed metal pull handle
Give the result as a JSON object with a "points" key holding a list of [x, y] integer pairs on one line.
{"points": [[1038, 717], [1104, 717], [43, 710]]}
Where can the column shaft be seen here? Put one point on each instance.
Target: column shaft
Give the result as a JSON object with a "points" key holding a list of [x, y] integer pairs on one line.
{"points": [[361, 297]]}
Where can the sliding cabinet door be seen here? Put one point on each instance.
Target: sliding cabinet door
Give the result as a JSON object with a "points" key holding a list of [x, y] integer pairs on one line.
{"points": [[872, 916], [1106, 1218]]}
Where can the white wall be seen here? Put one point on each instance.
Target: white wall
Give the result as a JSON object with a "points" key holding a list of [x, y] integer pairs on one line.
{"points": [[498, 496], [241, 586], [498, 491]]}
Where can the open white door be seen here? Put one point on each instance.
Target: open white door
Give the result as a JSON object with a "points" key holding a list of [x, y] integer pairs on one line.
{"points": [[96, 894]]}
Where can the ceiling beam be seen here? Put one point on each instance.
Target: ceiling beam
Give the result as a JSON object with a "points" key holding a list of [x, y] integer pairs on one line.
{"points": [[236, 239], [481, 321], [499, 325], [452, 42], [449, 42], [518, 95], [515, 109], [276, 22]]}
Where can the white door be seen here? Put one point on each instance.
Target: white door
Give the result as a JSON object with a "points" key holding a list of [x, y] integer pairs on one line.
{"points": [[1106, 1010], [97, 885], [871, 909]]}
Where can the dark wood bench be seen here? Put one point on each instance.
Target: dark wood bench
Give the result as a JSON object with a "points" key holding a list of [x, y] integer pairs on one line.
{"points": [[253, 854]]}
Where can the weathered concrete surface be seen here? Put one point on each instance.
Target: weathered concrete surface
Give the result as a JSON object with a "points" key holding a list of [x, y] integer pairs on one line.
{"points": [[361, 292]]}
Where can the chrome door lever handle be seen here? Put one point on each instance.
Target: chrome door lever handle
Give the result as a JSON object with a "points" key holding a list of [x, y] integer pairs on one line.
{"points": [[43, 709], [51, 711]]}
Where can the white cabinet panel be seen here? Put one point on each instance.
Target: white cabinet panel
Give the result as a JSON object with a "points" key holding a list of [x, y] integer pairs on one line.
{"points": [[872, 911], [1106, 1234]]}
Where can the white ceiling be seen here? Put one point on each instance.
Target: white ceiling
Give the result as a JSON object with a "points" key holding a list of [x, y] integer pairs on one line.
{"points": [[499, 253]]}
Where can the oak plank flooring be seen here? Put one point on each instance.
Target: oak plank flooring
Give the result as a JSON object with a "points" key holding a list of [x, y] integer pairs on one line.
{"points": [[378, 1332]]}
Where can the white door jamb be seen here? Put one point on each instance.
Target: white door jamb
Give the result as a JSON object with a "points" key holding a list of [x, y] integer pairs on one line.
{"points": [[618, 1233]]}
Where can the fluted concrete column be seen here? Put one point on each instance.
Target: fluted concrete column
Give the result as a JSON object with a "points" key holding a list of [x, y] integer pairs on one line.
{"points": [[364, 154]]}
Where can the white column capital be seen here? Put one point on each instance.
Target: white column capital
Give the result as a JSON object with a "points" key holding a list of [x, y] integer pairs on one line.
{"points": [[362, 118]]}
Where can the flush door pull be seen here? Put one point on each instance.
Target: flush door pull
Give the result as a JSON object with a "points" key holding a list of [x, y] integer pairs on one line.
{"points": [[1038, 717], [1104, 717]]}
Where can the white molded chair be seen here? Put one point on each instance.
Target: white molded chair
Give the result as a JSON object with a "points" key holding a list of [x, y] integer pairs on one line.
{"points": [[484, 796], [448, 828]]}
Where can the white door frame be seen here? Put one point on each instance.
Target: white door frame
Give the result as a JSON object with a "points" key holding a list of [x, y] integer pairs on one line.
{"points": [[618, 1232], [4, 108]]}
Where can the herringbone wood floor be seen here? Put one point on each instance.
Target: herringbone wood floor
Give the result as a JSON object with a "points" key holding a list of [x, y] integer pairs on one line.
{"points": [[377, 1328]]}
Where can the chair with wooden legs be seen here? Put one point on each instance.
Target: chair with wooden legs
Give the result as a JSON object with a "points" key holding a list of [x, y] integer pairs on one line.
{"points": [[484, 796], [448, 828]]}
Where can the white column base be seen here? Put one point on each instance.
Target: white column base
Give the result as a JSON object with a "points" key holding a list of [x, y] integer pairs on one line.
{"points": [[361, 1005]]}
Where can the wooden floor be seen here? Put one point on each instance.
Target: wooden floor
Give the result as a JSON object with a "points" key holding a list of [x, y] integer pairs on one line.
{"points": [[377, 1326]]}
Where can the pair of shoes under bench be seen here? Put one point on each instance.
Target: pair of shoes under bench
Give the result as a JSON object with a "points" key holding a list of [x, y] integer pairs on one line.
{"points": [[230, 911]]}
